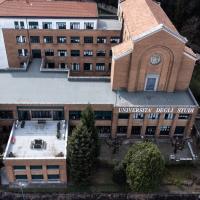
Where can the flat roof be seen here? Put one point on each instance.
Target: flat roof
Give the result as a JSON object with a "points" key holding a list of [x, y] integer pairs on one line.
{"points": [[21, 139], [35, 87], [45, 8], [109, 24]]}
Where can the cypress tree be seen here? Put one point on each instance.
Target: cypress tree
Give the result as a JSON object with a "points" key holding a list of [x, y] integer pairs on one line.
{"points": [[88, 120], [80, 154]]}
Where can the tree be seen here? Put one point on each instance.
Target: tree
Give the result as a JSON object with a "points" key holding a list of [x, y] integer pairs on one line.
{"points": [[88, 120], [144, 167], [80, 154]]}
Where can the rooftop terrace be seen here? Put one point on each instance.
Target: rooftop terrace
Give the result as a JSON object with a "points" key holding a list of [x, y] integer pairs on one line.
{"points": [[37, 140], [35, 87]]}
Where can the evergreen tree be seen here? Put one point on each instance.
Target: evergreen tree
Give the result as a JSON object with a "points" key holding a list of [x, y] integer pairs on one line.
{"points": [[88, 120], [80, 154]]}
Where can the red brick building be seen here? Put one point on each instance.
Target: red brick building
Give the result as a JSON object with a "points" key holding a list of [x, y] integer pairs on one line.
{"points": [[54, 63]]}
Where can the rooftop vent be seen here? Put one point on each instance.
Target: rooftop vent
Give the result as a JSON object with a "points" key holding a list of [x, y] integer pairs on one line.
{"points": [[38, 144]]}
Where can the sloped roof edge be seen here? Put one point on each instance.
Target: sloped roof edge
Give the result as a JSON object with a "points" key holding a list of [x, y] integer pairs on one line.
{"points": [[160, 27]]}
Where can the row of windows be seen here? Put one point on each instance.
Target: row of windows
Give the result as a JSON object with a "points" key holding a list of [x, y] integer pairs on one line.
{"points": [[151, 130], [98, 114], [63, 39], [35, 167], [153, 116], [64, 53], [49, 25], [99, 67], [38, 177]]}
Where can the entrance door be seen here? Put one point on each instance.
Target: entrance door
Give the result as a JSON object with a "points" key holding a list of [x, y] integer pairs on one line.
{"points": [[36, 53]]}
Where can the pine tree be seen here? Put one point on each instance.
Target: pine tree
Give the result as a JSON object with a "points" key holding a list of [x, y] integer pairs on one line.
{"points": [[80, 154], [88, 120]]}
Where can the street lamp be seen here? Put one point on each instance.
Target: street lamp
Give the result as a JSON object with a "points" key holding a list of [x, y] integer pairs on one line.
{"points": [[21, 184]]}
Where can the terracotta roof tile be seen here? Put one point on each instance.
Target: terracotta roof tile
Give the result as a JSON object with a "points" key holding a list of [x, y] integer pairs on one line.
{"points": [[44, 8], [122, 49], [143, 15]]}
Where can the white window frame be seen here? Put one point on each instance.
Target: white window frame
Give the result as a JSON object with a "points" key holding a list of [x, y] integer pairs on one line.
{"points": [[156, 83]]}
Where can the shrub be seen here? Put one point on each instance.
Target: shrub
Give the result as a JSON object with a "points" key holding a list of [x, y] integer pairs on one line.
{"points": [[119, 174], [144, 167]]}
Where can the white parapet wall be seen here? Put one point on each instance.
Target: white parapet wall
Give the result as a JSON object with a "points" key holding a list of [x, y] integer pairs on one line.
{"points": [[3, 54]]}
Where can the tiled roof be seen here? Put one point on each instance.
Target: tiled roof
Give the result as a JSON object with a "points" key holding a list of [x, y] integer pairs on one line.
{"points": [[142, 15], [44, 8], [122, 49]]}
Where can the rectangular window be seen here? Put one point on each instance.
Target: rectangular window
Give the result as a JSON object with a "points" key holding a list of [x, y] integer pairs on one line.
{"points": [[50, 65], [37, 177], [151, 82], [61, 39], [103, 115], [53, 176], [110, 53], [75, 115], [33, 25], [35, 39], [165, 130], [22, 25], [115, 40], [75, 39], [24, 115], [179, 130], [62, 65], [58, 115], [6, 114], [20, 39], [102, 40], [104, 130], [75, 53], [101, 53], [43, 114], [136, 130], [22, 52], [49, 52], [16, 24], [89, 25], [168, 116], [122, 129], [62, 53], [47, 25], [100, 67], [74, 25], [36, 167], [48, 39], [19, 167], [150, 130], [123, 116], [19, 25], [75, 67], [88, 40], [61, 25], [88, 53], [87, 66], [21, 177], [52, 167], [138, 115], [184, 116], [153, 116]]}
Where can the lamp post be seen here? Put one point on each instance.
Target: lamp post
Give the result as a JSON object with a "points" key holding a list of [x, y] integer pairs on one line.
{"points": [[21, 184]]}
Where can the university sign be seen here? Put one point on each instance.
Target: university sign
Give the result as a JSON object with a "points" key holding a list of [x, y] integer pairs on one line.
{"points": [[188, 110]]}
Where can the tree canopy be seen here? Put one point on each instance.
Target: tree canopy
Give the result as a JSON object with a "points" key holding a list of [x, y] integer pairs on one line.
{"points": [[144, 167]]}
